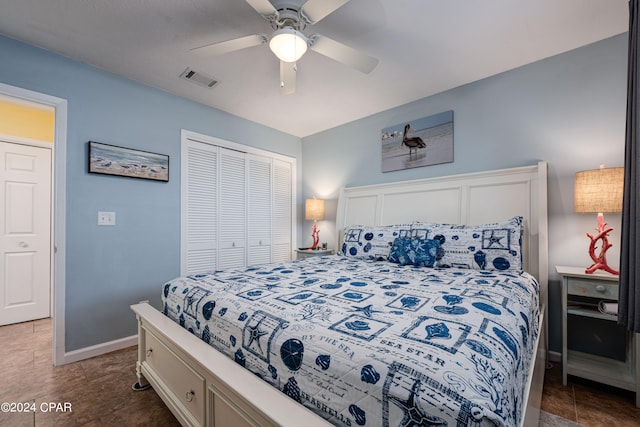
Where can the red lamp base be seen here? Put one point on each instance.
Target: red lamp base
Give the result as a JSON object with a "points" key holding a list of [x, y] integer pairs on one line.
{"points": [[315, 234], [600, 260]]}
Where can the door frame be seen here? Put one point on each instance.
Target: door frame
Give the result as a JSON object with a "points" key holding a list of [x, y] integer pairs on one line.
{"points": [[58, 206]]}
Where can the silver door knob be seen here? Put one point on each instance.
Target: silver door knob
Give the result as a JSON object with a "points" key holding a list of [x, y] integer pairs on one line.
{"points": [[23, 244]]}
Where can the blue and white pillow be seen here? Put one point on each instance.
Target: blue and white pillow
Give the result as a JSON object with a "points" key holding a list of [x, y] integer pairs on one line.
{"points": [[484, 247], [414, 251], [371, 242]]}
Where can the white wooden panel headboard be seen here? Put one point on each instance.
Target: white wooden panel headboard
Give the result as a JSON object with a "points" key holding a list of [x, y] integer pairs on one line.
{"points": [[466, 199]]}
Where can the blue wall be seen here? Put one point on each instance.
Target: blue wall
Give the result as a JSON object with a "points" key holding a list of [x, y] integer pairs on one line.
{"points": [[568, 110], [109, 268]]}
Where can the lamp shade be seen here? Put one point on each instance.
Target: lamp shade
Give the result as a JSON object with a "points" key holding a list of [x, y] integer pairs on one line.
{"points": [[599, 190], [288, 44], [314, 209]]}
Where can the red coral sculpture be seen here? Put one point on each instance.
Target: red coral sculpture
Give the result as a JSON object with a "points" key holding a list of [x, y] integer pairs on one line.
{"points": [[600, 260]]}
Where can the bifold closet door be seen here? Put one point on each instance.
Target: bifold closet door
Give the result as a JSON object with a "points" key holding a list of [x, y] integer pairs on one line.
{"points": [[258, 209], [233, 209], [282, 219], [200, 199], [237, 208]]}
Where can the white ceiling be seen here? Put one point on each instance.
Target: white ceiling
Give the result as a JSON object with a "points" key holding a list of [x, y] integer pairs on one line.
{"points": [[424, 47]]}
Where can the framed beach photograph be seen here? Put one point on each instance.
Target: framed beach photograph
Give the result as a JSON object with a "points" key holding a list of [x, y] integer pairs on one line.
{"points": [[113, 160], [422, 142]]}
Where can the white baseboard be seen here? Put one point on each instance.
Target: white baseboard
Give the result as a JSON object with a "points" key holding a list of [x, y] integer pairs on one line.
{"points": [[555, 356], [99, 349]]}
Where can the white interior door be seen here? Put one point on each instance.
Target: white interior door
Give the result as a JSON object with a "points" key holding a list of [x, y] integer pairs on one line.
{"points": [[25, 240]]}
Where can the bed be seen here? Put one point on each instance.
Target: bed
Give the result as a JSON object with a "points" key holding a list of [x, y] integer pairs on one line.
{"points": [[411, 324]]}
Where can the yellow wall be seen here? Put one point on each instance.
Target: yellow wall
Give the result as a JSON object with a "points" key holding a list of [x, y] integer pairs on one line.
{"points": [[26, 121]]}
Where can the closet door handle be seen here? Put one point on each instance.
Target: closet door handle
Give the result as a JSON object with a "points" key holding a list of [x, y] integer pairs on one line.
{"points": [[23, 244]]}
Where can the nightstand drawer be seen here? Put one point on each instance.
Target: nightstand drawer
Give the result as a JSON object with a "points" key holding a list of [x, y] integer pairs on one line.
{"points": [[593, 289], [306, 253]]}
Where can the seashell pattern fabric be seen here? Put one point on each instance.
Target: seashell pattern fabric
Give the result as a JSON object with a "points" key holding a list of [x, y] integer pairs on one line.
{"points": [[372, 343]]}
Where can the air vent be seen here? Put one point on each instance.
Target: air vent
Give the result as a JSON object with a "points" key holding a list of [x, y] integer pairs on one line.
{"points": [[198, 78]]}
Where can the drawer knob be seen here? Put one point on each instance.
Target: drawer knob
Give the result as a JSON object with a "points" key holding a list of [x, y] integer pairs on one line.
{"points": [[190, 395], [600, 288], [149, 352]]}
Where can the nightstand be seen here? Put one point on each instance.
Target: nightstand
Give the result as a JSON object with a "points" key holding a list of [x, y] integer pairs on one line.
{"points": [[581, 294], [306, 253]]}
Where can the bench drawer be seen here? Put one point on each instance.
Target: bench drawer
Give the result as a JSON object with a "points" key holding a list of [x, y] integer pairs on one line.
{"points": [[187, 386]]}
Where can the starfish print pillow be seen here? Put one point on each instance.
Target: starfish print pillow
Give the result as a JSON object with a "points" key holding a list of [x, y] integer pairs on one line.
{"points": [[491, 247]]}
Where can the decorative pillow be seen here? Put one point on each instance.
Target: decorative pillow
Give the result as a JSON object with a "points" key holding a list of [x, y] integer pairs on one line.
{"points": [[371, 242], [484, 247], [420, 230], [414, 251]]}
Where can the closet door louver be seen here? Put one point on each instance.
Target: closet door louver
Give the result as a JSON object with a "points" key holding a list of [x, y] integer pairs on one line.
{"points": [[233, 212], [201, 208], [238, 206], [259, 209], [282, 207]]}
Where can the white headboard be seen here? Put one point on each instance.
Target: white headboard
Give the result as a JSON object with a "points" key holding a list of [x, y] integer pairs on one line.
{"points": [[466, 199]]}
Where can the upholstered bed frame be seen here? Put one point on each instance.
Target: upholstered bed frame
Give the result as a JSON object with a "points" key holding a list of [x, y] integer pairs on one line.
{"points": [[204, 387]]}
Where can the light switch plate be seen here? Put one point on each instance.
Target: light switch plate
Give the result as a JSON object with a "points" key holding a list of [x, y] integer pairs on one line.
{"points": [[106, 218]]}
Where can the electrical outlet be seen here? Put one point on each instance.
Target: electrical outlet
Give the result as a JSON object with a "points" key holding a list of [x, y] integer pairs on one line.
{"points": [[106, 218]]}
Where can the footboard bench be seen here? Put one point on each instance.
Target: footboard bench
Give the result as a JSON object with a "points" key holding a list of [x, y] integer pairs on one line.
{"points": [[180, 368]]}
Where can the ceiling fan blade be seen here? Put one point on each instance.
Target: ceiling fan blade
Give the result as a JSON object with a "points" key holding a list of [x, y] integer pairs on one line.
{"points": [[287, 77], [263, 7], [342, 53], [315, 10], [231, 45]]}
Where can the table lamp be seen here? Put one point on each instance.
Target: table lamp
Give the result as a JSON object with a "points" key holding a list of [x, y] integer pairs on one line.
{"points": [[314, 210], [599, 191]]}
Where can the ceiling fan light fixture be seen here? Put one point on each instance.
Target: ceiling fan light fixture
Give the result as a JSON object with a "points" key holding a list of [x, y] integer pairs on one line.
{"points": [[288, 44]]}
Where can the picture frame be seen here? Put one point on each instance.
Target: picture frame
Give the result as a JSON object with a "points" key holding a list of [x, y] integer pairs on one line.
{"points": [[109, 159], [416, 143]]}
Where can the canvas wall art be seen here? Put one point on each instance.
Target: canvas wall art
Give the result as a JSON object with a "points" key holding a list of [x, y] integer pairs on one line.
{"points": [[416, 143], [113, 160]]}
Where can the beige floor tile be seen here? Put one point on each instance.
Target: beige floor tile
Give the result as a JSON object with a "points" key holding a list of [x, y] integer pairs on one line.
{"points": [[99, 389], [588, 403]]}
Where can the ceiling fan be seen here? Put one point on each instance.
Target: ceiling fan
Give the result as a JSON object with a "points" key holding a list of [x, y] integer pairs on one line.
{"points": [[289, 18]]}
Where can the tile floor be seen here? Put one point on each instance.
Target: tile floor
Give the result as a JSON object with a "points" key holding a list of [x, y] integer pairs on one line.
{"points": [[588, 403], [99, 389]]}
